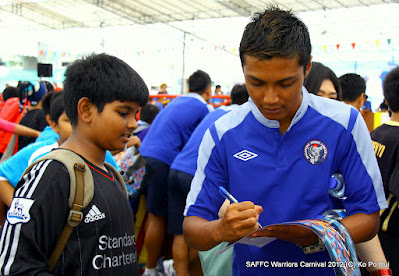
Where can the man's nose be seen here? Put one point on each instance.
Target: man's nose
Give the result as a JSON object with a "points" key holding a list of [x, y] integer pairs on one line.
{"points": [[270, 95]]}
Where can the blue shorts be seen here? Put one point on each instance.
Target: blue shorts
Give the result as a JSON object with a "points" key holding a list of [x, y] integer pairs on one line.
{"points": [[179, 186], [157, 187]]}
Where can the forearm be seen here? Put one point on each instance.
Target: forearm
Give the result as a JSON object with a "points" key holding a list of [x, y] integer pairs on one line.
{"points": [[7, 192], [371, 253], [26, 131], [362, 227], [200, 233]]}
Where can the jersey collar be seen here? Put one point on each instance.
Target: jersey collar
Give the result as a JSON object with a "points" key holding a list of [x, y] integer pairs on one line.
{"points": [[275, 124]]}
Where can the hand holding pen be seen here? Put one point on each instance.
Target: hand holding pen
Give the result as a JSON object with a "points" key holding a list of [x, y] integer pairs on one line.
{"points": [[230, 197]]}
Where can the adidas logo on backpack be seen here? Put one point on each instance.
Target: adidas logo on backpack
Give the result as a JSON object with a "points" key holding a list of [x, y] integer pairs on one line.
{"points": [[94, 214]]}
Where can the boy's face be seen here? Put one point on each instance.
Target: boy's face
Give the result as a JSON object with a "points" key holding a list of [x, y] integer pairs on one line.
{"points": [[115, 124], [62, 127], [275, 86]]}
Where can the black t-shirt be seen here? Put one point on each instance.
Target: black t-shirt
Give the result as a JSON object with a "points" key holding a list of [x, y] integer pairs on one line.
{"points": [[102, 244], [386, 146], [35, 119]]}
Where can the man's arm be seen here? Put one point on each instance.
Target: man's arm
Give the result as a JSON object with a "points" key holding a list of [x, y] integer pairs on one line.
{"points": [[239, 220], [26, 131], [362, 227], [7, 192]]}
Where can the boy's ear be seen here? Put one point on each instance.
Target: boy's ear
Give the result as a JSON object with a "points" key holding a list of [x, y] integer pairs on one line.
{"points": [[53, 125], [85, 109], [48, 119]]}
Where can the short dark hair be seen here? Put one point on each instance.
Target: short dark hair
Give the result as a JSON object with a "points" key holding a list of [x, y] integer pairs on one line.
{"points": [[57, 106], [198, 82], [47, 100], [239, 94], [352, 85], [391, 89], [148, 113], [276, 33], [318, 73], [103, 79], [10, 92]]}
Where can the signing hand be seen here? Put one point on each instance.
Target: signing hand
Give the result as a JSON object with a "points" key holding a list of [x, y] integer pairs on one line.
{"points": [[239, 220]]}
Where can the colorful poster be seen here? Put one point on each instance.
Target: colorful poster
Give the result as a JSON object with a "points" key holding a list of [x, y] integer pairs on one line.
{"points": [[332, 233]]}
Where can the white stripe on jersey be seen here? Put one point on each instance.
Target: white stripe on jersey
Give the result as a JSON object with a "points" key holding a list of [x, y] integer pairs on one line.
{"points": [[369, 160], [25, 189], [198, 180], [222, 125]]}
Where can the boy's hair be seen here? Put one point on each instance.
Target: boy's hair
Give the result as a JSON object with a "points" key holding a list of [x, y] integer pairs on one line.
{"points": [[317, 75], [239, 94], [46, 102], [148, 113], [198, 82], [391, 89], [352, 86], [10, 92], [103, 79], [57, 107], [276, 33]]}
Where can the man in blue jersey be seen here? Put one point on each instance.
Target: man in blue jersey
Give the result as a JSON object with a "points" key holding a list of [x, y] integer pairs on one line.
{"points": [[181, 174], [168, 134], [263, 153]]}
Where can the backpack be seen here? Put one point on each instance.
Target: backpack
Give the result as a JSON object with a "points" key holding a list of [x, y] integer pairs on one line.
{"points": [[80, 195]]}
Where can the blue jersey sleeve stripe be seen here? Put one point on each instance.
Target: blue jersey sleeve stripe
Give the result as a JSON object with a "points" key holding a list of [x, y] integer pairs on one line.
{"points": [[213, 132], [364, 147], [352, 119], [204, 154]]}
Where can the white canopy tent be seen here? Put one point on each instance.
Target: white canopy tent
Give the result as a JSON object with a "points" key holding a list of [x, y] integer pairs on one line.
{"points": [[165, 41]]}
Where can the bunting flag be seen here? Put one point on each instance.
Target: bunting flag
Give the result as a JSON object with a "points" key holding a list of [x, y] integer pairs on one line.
{"points": [[353, 45], [389, 41], [324, 47], [338, 46], [377, 42]]}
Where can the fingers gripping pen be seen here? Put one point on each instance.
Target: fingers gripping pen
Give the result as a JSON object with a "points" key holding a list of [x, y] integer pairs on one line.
{"points": [[232, 199]]}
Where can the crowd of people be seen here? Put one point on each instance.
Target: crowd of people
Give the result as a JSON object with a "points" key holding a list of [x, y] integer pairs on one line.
{"points": [[285, 132]]}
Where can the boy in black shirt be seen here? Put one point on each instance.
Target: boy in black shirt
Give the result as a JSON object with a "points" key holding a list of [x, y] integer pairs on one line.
{"points": [[386, 147], [102, 95]]}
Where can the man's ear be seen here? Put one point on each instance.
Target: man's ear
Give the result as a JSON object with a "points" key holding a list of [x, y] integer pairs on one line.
{"points": [[359, 101], [308, 67], [85, 110]]}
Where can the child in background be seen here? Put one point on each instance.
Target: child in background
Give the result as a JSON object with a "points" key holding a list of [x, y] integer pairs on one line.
{"points": [[11, 170], [386, 146]]}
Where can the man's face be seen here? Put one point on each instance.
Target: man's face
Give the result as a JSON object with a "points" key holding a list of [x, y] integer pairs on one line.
{"points": [[275, 86]]}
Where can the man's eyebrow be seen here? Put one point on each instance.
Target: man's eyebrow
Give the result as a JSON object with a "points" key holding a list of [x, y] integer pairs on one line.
{"points": [[255, 78], [282, 80]]}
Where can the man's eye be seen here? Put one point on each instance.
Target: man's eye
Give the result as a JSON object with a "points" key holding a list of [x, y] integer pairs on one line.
{"points": [[256, 83], [123, 114], [286, 84]]}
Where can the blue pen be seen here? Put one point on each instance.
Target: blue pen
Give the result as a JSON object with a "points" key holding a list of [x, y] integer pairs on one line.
{"points": [[228, 196]]}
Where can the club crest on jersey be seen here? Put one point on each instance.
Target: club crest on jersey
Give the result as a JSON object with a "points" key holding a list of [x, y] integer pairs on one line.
{"points": [[19, 210], [315, 152]]}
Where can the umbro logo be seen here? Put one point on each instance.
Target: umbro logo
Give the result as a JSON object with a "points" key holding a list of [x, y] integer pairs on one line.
{"points": [[245, 155], [94, 214]]}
